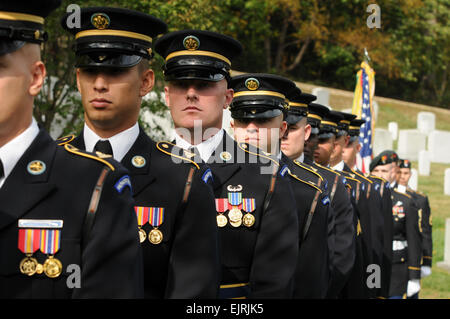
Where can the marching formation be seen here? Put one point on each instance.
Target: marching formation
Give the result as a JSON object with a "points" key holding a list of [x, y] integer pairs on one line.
{"points": [[278, 210]]}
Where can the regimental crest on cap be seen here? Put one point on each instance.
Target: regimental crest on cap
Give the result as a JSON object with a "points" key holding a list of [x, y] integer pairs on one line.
{"points": [[191, 43], [100, 21], [252, 84]]}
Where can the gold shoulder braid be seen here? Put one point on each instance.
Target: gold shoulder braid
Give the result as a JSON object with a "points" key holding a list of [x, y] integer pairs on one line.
{"points": [[65, 140], [72, 149], [166, 148]]}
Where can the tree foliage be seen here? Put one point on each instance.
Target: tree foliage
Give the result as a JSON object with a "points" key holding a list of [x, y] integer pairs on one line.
{"points": [[318, 41]]}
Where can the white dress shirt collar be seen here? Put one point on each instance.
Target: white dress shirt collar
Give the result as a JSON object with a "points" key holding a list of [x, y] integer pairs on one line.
{"points": [[120, 143], [205, 148], [339, 166], [11, 152], [301, 158]]}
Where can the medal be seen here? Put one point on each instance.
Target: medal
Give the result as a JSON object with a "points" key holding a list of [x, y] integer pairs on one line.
{"points": [[28, 266], [142, 235], [235, 200], [248, 205], [236, 224], [221, 220], [221, 207], [28, 243], [155, 236], [248, 220], [52, 267], [156, 218], [235, 214], [50, 244], [142, 214]]}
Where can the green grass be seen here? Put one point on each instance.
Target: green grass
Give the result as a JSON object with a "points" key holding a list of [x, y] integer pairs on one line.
{"points": [[437, 285]]}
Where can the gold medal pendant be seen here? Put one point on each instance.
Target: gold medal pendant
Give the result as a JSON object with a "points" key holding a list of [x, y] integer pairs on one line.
{"points": [[221, 220], [235, 215], [155, 236], [236, 224], [52, 267], [142, 235], [28, 266], [248, 220]]}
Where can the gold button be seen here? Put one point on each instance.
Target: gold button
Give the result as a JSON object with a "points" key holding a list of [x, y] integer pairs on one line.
{"points": [[402, 260]]}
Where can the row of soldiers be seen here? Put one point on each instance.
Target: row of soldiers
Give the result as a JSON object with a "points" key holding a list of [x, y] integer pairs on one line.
{"points": [[276, 211]]}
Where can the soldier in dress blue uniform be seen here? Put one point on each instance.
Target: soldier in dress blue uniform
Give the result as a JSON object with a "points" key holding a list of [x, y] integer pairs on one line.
{"points": [[174, 201], [63, 212], [340, 224], [256, 213], [356, 287], [424, 217], [316, 250], [381, 229], [259, 110], [406, 244]]}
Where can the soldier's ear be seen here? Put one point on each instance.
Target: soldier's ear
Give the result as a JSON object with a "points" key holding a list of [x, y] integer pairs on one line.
{"points": [[166, 96], [38, 73], [307, 131], [147, 82]]}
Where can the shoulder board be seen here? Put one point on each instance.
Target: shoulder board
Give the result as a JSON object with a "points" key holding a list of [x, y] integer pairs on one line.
{"points": [[65, 139], [311, 169], [379, 178], [353, 179], [72, 149], [395, 189], [362, 176], [329, 169], [305, 182], [416, 192], [167, 147], [257, 152]]}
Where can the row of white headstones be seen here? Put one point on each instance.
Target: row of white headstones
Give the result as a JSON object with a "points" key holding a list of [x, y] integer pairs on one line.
{"points": [[424, 144]]}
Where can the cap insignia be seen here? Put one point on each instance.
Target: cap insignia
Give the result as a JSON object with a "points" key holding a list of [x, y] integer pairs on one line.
{"points": [[191, 43], [100, 21], [252, 84]]}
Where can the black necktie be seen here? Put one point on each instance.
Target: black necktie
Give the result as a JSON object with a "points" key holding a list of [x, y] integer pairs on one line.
{"points": [[104, 147], [2, 172], [197, 158]]}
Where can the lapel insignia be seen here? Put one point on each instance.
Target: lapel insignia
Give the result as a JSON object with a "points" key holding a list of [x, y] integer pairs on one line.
{"points": [[138, 161], [36, 167], [225, 156]]}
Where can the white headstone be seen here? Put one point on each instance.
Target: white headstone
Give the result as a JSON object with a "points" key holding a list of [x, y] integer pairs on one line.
{"points": [[439, 146], [424, 163], [426, 122], [410, 143], [323, 96], [413, 181], [382, 140], [393, 128], [446, 263], [447, 182]]}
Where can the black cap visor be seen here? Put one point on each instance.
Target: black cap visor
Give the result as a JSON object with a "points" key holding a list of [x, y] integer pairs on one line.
{"points": [[107, 60], [255, 113], [8, 46]]}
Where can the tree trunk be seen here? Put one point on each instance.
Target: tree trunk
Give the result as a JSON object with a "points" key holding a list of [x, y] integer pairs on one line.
{"points": [[281, 46], [299, 56]]}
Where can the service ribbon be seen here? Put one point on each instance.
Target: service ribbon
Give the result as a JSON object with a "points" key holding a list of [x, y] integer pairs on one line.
{"points": [[156, 216], [235, 199], [221, 205], [29, 240], [142, 214], [248, 205], [50, 241]]}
